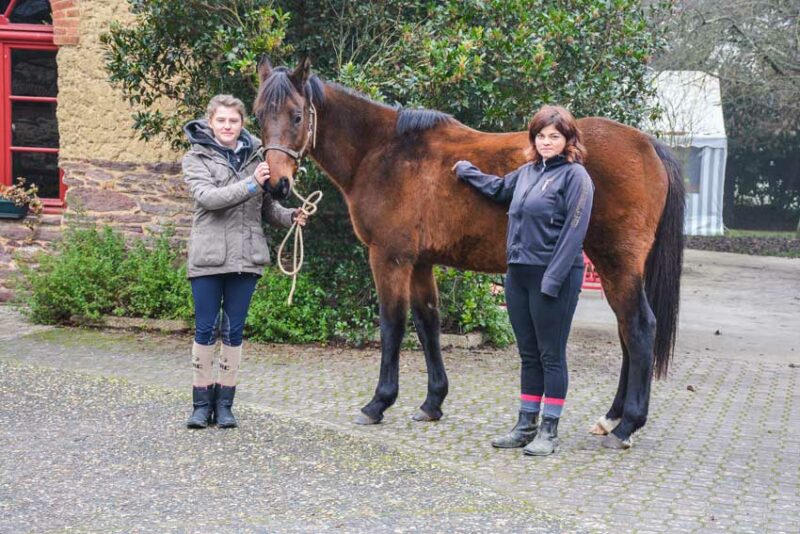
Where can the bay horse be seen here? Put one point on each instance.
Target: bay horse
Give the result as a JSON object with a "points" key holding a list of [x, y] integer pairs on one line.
{"points": [[393, 167]]}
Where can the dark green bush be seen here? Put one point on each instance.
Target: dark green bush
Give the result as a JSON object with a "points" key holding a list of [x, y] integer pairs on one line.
{"points": [[154, 275], [467, 304], [92, 272], [337, 263], [271, 319], [81, 277]]}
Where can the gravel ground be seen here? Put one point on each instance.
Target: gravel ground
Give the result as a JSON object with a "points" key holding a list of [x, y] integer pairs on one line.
{"points": [[94, 454], [720, 451]]}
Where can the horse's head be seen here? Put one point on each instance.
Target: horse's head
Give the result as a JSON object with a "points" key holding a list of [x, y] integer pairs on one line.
{"points": [[285, 110]]}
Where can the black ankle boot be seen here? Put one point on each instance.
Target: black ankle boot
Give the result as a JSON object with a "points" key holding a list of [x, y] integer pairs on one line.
{"points": [[522, 434], [546, 441], [224, 396], [203, 404]]}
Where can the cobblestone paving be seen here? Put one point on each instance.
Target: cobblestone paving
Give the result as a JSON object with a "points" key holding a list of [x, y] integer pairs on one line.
{"points": [[720, 453], [99, 454]]}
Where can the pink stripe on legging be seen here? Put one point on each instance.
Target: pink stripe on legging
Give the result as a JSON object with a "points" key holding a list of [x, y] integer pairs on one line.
{"points": [[556, 402], [531, 398]]}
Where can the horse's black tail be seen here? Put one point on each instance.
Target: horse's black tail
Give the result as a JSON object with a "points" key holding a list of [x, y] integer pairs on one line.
{"points": [[665, 262]]}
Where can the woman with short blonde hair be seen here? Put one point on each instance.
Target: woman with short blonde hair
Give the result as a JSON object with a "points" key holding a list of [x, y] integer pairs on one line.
{"points": [[228, 251]]}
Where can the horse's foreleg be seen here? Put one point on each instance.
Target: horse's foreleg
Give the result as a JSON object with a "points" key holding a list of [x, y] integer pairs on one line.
{"points": [[392, 280], [637, 326], [425, 312]]}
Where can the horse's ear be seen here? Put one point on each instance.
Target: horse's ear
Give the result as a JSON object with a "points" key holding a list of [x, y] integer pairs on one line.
{"points": [[302, 73], [264, 68]]}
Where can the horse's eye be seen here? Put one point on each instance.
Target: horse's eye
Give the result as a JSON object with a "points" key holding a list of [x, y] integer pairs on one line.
{"points": [[297, 119]]}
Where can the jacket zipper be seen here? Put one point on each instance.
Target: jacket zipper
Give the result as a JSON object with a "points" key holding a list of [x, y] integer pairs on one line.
{"points": [[522, 202]]}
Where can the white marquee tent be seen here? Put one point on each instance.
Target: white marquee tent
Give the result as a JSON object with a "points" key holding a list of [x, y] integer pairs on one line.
{"points": [[692, 125]]}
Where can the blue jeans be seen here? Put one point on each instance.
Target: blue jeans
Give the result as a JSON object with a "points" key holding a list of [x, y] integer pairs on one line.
{"points": [[232, 292]]}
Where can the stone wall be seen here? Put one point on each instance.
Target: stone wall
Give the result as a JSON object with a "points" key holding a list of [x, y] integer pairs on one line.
{"points": [[93, 119], [138, 199], [112, 177]]}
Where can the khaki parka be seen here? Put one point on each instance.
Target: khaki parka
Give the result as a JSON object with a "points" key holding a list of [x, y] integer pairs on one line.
{"points": [[228, 209]]}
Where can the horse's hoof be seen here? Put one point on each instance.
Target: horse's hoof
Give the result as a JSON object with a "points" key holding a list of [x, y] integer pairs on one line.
{"points": [[364, 419], [604, 426], [613, 442], [424, 417]]}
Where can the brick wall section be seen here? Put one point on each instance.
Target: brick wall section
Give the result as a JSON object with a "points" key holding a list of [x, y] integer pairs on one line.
{"points": [[66, 22]]}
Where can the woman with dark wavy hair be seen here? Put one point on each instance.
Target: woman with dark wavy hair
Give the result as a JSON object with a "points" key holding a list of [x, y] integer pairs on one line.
{"points": [[549, 204]]}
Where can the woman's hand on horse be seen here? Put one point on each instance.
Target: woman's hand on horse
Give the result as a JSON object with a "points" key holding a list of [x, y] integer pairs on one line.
{"points": [[300, 217], [262, 172], [459, 162]]}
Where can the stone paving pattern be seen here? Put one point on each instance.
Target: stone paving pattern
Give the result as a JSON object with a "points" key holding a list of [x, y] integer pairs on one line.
{"points": [[720, 452], [97, 454]]}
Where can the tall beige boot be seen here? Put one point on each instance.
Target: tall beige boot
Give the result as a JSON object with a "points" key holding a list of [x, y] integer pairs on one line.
{"points": [[202, 387], [225, 389]]}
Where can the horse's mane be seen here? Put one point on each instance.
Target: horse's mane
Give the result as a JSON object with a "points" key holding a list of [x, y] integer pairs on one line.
{"points": [[279, 87], [408, 120], [418, 120]]}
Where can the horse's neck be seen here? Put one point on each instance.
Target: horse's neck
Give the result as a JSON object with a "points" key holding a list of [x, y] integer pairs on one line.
{"points": [[349, 127]]}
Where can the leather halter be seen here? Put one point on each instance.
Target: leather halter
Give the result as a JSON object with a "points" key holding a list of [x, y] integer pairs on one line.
{"points": [[311, 137]]}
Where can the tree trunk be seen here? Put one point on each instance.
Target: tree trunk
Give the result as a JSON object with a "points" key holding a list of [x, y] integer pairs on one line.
{"points": [[797, 233], [728, 197]]}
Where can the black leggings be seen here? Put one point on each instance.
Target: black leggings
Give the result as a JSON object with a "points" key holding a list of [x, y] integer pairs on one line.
{"points": [[541, 325]]}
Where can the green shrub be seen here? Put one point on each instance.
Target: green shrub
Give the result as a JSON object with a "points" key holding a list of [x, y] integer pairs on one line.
{"points": [[92, 272], [271, 319], [353, 300], [468, 304], [80, 278], [155, 285]]}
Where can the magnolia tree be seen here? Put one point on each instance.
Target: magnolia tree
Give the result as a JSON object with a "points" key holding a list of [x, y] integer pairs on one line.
{"points": [[489, 63]]}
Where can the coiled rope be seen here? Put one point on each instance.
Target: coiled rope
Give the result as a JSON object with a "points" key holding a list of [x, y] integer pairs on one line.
{"points": [[309, 207]]}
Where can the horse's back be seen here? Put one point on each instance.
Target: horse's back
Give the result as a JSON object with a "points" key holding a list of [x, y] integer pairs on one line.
{"points": [[461, 228], [630, 180]]}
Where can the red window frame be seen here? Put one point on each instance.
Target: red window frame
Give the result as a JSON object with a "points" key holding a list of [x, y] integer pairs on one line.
{"points": [[27, 37]]}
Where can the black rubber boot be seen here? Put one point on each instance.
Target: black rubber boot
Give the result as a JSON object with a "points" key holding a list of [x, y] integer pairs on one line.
{"points": [[203, 404], [522, 434], [224, 396], [546, 441]]}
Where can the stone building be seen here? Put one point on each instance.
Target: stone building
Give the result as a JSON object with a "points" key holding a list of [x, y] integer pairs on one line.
{"points": [[64, 128]]}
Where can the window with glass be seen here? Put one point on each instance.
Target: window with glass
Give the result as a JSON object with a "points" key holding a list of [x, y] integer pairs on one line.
{"points": [[29, 97]]}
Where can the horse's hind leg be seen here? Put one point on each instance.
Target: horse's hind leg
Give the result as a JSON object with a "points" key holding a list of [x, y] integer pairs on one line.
{"points": [[637, 327], [611, 419], [392, 280], [425, 312]]}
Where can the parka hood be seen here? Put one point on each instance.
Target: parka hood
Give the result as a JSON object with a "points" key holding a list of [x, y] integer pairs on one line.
{"points": [[200, 133]]}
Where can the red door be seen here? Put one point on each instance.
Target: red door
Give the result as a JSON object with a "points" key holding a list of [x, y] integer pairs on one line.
{"points": [[28, 99]]}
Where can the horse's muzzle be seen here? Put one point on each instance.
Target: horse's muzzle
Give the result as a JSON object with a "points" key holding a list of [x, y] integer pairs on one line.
{"points": [[281, 192]]}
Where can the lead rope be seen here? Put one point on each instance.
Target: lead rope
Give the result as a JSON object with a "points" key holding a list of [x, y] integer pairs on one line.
{"points": [[309, 207]]}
